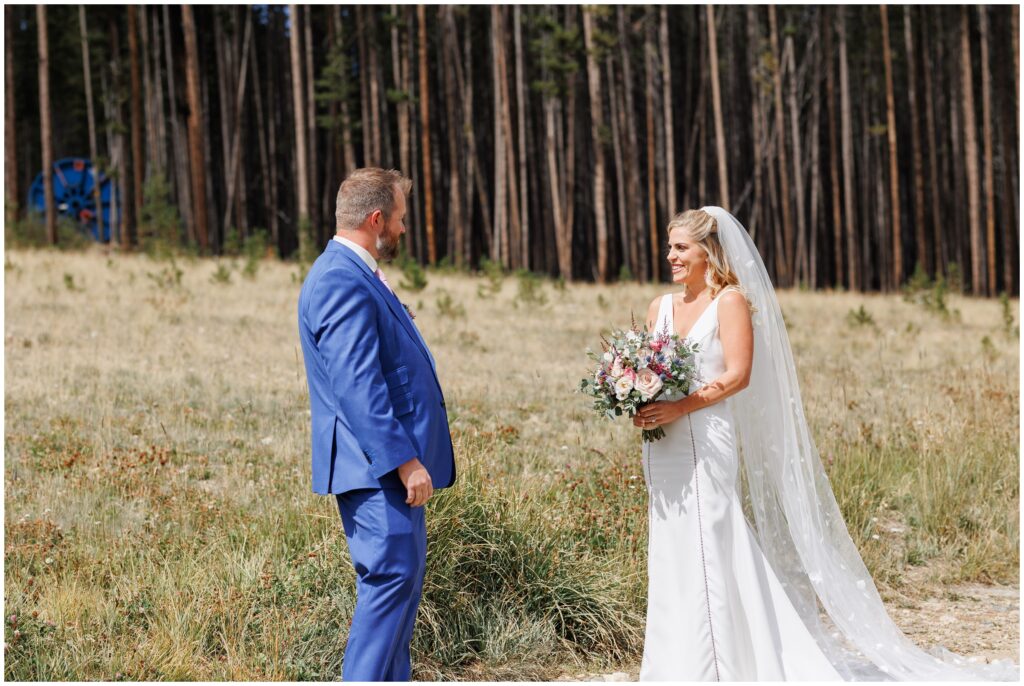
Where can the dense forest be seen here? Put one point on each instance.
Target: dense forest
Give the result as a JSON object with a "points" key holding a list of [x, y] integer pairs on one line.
{"points": [[857, 144]]}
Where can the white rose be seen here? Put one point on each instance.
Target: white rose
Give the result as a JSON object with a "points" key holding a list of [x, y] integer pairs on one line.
{"points": [[622, 387], [648, 383], [616, 370], [608, 357]]}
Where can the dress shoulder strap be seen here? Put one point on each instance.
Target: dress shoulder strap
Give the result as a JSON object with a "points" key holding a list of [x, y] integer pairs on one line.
{"points": [[727, 289]]}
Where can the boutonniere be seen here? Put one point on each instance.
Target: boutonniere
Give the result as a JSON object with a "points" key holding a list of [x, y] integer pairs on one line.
{"points": [[408, 311]]}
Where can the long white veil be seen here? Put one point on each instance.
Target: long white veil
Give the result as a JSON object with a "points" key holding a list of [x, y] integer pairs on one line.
{"points": [[796, 519]]}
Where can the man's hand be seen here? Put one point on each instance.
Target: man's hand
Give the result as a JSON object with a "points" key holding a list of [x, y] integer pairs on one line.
{"points": [[417, 482]]}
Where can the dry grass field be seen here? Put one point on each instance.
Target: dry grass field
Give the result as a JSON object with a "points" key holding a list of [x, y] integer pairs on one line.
{"points": [[159, 522]]}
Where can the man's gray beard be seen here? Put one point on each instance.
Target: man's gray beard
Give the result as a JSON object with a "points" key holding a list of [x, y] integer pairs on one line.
{"points": [[385, 252]]}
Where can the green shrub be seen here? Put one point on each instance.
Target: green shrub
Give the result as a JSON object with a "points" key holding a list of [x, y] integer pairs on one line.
{"points": [[447, 307], [254, 249], [414, 278], [222, 275], [495, 275], [531, 289], [860, 317], [1009, 327], [159, 223]]}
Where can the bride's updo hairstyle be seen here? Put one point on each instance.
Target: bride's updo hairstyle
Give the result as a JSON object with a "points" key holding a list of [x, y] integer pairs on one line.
{"points": [[702, 228]]}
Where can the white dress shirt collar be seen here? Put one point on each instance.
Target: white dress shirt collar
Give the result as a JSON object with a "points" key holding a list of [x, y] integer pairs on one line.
{"points": [[364, 255]]}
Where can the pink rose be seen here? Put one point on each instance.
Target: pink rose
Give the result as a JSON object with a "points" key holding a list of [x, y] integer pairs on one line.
{"points": [[648, 383]]}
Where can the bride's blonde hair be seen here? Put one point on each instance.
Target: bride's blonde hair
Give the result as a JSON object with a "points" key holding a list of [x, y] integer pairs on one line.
{"points": [[702, 228]]}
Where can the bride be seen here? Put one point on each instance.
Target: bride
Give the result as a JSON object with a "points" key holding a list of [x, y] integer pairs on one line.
{"points": [[786, 596]]}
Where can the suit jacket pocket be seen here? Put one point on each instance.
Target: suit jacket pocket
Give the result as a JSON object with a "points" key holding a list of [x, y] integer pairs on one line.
{"points": [[403, 404], [397, 377]]}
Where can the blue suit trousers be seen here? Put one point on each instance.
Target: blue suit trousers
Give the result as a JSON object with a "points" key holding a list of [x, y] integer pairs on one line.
{"points": [[387, 541]]}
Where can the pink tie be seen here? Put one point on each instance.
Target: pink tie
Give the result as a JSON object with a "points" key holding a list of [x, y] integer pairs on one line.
{"points": [[383, 280]]}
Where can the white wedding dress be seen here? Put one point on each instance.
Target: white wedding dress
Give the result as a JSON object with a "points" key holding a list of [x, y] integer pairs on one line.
{"points": [[715, 609], [785, 596]]}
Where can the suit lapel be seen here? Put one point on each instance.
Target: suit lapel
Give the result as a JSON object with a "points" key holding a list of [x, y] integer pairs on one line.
{"points": [[392, 301]]}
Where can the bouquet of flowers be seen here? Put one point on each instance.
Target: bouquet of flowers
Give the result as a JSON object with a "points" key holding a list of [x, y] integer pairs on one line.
{"points": [[636, 368]]}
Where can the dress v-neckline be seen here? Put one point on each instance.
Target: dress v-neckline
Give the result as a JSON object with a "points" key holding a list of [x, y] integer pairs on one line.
{"points": [[700, 317]]}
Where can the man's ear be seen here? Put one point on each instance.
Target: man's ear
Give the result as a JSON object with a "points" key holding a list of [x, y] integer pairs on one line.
{"points": [[376, 219]]}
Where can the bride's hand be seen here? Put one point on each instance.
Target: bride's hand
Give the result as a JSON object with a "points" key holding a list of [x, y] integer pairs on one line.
{"points": [[657, 414]]}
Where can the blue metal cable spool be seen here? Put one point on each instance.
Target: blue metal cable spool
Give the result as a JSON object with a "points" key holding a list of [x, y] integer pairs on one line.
{"points": [[73, 196]]}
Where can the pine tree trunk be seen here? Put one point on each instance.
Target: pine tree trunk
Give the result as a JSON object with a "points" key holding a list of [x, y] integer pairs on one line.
{"points": [[852, 253], [12, 202], [652, 201], [800, 267], [596, 123], [399, 65], [91, 119], [614, 90], [569, 178], [815, 254], [1008, 136], [988, 151], [224, 88], [1015, 49], [195, 128], [160, 118], [716, 101], [634, 202], [671, 203], [375, 132], [347, 146], [971, 153], [753, 55], [512, 245], [521, 106], [833, 152], [274, 101], [499, 243], [365, 134], [789, 246], [449, 55], [894, 171], [233, 175], [178, 139], [149, 98], [936, 264], [301, 166], [216, 232], [915, 141], [311, 137], [262, 134], [45, 129], [953, 250], [110, 116], [428, 193], [136, 115]]}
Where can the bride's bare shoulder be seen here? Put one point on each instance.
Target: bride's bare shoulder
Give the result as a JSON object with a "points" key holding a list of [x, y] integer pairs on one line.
{"points": [[733, 303]]}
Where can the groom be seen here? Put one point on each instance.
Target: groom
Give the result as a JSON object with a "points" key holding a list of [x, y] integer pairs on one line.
{"points": [[380, 431]]}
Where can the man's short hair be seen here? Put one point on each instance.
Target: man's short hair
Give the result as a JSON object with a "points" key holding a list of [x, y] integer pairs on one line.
{"points": [[367, 190]]}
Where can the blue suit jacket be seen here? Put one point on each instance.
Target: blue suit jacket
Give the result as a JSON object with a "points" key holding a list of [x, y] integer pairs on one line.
{"points": [[375, 401]]}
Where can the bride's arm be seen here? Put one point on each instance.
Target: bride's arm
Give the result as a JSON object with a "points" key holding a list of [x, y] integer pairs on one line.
{"points": [[737, 334]]}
